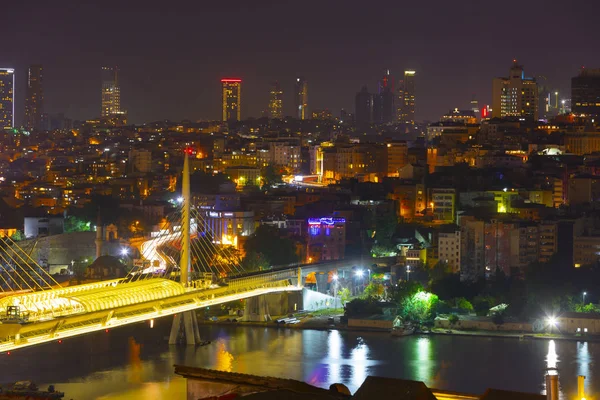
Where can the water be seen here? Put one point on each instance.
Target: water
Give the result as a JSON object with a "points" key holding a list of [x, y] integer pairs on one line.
{"points": [[135, 362]]}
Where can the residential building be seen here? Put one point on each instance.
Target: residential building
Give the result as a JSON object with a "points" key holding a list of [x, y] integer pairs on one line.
{"points": [[276, 102], [227, 227], [7, 98], [397, 157], [515, 95], [326, 239], [585, 92], [111, 92], [586, 250], [140, 161], [301, 98], [449, 245], [581, 143], [443, 205], [231, 99], [34, 98], [43, 226]]}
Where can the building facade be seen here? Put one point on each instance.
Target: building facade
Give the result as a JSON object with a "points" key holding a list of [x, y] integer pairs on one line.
{"points": [[7, 98], [301, 98], [34, 98], [449, 249], [406, 97], [363, 111], [111, 92], [515, 95], [585, 92], [231, 99], [326, 239], [276, 102]]}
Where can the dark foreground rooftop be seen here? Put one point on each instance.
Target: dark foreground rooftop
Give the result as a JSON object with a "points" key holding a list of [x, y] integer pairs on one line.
{"points": [[201, 385]]}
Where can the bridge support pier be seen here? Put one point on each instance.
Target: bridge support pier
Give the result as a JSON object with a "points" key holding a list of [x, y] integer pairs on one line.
{"points": [[257, 309], [185, 329], [322, 282]]}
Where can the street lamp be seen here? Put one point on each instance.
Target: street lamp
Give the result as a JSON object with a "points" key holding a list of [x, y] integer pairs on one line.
{"points": [[124, 251], [583, 297], [369, 275], [407, 273]]}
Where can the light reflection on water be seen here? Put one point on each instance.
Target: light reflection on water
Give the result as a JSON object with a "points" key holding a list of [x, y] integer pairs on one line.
{"points": [[113, 366]]}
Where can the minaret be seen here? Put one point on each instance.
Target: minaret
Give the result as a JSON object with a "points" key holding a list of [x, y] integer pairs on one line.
{"points": [[185, 261]]}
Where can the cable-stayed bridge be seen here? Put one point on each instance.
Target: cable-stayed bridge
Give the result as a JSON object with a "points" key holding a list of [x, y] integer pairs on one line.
{"points": [[36, 309]]}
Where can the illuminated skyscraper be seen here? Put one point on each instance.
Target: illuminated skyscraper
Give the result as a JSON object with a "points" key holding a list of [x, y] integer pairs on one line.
{"points": [[34, 98], [383, 101], [232, 99], [515, 95], [585, 92], [406, 97], [111, 92], [363, 111], [301, 98], [7, 98], [276, 102]]}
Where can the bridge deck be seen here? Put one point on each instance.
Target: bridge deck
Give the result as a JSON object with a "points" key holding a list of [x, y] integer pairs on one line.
{"points": [[103, 314]]}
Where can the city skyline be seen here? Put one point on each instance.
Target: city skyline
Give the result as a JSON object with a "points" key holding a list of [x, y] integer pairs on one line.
{"points": [[447, 77]]}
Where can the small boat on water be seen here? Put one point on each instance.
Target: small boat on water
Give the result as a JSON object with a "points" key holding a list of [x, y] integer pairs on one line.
{"points": [[403, 330], [400, 328], [29, 390]]}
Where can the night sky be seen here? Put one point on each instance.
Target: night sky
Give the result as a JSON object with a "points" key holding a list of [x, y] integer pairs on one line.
{"points": [[172, 54]]}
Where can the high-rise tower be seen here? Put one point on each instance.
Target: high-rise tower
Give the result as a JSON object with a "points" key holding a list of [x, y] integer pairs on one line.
{"points": [[363, 112], [585, 92], [111, 92], [406, 97], [7, 98], [515, 95], [301, 98], [34, 98], [231, 99], [276, 102]]}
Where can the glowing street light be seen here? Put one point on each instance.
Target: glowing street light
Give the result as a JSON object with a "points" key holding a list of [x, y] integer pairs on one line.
{"points": [[124, 251], [407, 273], [583, 297], [552, 322], [335, 277], [359, 273]]}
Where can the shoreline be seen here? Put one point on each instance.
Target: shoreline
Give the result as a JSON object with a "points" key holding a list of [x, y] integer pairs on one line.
{"points": [[321, 324]]}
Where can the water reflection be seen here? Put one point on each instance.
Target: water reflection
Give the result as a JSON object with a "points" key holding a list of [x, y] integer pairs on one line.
{"points": [[424, 365], [584, 359], [358, 358], [142, 368]]}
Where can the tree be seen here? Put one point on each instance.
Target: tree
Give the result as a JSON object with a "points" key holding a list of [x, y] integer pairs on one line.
{"points": [[439, 271], [498, 318], [18, 236], [271, 176], [375, 290], [255, 262], [420, 307], [453, 319], [75, 224], [268, 241], [482, 305], [362, 307], [463, 305], [344, 295]]}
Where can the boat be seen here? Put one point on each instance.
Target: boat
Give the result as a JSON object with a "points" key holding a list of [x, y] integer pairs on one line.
{"points": [[400, 328], [29, 390], [403, 330]]}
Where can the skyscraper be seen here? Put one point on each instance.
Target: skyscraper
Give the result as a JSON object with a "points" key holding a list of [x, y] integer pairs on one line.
{"points": [[406, 97], [111, 92], [34, 98], [383, 101], [301, 98], [232, 99], [585, 92], [276, 102], [515, 95], [363, 112], [7, 98]]}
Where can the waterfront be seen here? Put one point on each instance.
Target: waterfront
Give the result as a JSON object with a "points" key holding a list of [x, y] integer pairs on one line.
{"points": [[136, 362]]}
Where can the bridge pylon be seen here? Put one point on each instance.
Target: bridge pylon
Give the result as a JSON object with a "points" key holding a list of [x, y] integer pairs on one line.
{"points": [[185, 329]]}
